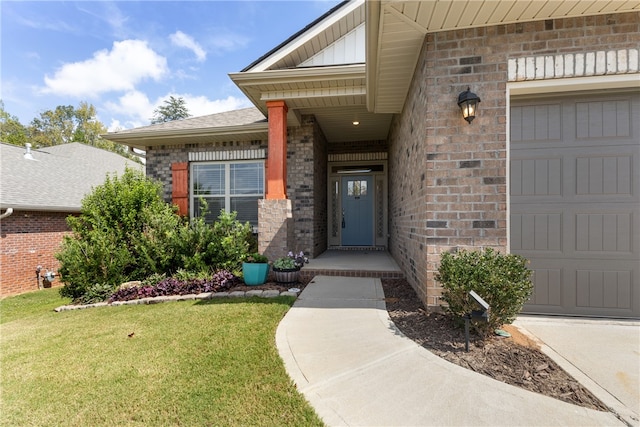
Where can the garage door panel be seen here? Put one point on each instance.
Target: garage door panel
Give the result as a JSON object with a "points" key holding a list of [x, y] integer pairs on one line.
{"points": [[575, 203], [608, 118], [603, 289], [537, 232], [604, 175], [604, 233]]}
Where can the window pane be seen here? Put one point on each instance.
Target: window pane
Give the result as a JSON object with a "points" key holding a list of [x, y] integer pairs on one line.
{"points": [[214, 206], [246, 178], [247, 209], [208, 179]]}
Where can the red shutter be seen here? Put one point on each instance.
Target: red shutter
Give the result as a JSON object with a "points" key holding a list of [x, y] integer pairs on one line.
{"points": [[180, 188]]}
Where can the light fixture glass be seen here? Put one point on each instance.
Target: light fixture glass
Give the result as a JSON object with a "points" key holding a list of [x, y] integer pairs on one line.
{"points": [[468, 103], [356, 123]]}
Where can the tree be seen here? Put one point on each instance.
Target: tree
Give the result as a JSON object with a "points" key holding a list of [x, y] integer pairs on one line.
{"points": [[11, 130], [174, 109]]}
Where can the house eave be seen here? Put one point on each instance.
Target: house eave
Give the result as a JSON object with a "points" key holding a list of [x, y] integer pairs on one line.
{"points": [[144, 139], [396, 31], [39, 208]]}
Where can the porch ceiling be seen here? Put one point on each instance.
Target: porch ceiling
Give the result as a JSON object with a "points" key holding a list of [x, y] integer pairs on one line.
{"points": [[335, 95], [396, 30]]}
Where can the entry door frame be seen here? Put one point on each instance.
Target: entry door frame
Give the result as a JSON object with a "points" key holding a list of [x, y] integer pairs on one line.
{"points": [[377, 170]]}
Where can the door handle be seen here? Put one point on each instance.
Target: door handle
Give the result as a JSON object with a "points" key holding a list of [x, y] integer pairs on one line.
{"points": [[344, 224]]}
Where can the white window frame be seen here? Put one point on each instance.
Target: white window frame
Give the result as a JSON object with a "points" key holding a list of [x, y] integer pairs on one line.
{"points": [[194, 199]]}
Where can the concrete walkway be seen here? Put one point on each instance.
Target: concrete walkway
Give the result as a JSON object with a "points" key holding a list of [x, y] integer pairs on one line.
{"points": [[356, 369], [602, 354]]}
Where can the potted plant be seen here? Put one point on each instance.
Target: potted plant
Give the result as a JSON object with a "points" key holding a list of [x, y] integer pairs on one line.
{"points": [[255, 269], [286, 268]]}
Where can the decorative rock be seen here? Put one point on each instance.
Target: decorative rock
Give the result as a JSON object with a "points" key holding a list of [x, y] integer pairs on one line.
{"points": [[255, 293], [204, 295], [220, 295], [271, 293]]}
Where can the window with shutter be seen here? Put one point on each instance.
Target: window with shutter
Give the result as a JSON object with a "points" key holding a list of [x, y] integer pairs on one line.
{"points": [[232, 186]]}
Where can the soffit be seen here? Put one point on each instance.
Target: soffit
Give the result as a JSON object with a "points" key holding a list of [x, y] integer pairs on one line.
{"points": [[396, 30]]}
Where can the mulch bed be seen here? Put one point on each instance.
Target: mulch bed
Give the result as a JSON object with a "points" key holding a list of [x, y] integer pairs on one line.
{"points": [[516, 360]]}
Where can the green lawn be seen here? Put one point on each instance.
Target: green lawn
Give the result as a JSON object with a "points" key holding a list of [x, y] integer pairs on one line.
{"points": [[190, 363]]}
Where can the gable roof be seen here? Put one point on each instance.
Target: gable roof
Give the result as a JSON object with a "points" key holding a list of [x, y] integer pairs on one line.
{"points": [[245, 124], [57, 178]]}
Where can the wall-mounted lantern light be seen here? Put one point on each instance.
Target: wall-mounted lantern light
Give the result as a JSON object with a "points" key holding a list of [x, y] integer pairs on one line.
{"points": [[468, 103]]}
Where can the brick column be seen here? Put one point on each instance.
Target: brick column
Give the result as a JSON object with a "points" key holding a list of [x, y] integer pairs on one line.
{"points": [[275, 227], [277, 159]]}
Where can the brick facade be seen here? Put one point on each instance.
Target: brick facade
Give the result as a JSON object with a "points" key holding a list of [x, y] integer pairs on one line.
{"points": [[448, 178], [29, 239], [307, 186]]}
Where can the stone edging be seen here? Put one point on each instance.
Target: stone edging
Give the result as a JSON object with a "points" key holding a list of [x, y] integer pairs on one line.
{"points": [[270, 293]]}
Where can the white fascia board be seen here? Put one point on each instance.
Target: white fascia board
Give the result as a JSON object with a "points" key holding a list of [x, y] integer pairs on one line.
{"points": [[298, 75], [304, 38], [222, 130]]}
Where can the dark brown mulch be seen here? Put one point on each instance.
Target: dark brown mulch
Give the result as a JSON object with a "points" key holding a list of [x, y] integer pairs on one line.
{"points": [[516, 360]]}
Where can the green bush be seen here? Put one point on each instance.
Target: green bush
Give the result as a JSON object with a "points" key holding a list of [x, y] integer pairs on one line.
{"points": [[110, 241], [503, 281], [127, 232]]}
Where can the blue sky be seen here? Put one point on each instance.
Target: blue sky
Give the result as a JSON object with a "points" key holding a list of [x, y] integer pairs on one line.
{"points": [[126, 57]]}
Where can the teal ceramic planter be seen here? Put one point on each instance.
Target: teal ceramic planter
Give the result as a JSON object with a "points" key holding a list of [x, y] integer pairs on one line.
{"points": [[255, 273]]}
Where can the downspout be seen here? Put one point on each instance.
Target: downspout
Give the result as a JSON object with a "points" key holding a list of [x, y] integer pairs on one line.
{"points": [[6, 213]]}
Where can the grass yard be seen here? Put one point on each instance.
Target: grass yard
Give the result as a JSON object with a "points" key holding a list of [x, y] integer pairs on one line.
{"points": [[189, 363]]}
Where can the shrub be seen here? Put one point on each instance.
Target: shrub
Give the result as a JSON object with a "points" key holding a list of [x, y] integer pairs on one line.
{"points": [[112, 239], [503, 281], [126, 232], [221, 246]]}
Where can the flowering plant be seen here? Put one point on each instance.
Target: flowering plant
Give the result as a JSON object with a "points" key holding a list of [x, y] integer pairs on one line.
{"points": [[290, 262]]}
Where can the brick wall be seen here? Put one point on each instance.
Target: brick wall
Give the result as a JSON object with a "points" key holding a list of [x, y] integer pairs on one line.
{"points": [[307, 185], [29, 239], [448, 178]]}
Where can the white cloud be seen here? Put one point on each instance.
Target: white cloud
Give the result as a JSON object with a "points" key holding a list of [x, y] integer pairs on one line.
{"points": [[181, 39], [201, 105], [227, 41], [135, 106], [135, 109], [128, 62]]}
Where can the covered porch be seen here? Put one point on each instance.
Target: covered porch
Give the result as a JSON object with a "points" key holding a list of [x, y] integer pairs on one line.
{"points": [[361, 262]]}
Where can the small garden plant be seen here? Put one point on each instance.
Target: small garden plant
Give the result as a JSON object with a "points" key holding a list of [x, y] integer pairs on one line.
{"points": [[503, 281], [291, 261], [256, 258]]}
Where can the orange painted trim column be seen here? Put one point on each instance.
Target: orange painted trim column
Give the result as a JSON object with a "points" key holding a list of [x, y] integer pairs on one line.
{"points": [[180, 187], [277, 159]]}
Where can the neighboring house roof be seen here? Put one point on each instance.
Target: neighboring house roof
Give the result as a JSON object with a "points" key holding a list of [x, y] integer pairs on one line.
{"points": [[244, 124], [56, 178]]}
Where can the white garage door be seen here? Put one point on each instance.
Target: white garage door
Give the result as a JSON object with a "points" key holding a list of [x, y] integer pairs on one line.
{"points": [[575, 203]]}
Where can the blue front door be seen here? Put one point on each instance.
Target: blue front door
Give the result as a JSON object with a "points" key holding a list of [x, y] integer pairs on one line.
{"points": [[357, 211]]}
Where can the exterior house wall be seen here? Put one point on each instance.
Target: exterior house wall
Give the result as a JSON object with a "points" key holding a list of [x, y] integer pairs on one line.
{"points": [[29, 239], [448, 179], [307, 185]]}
